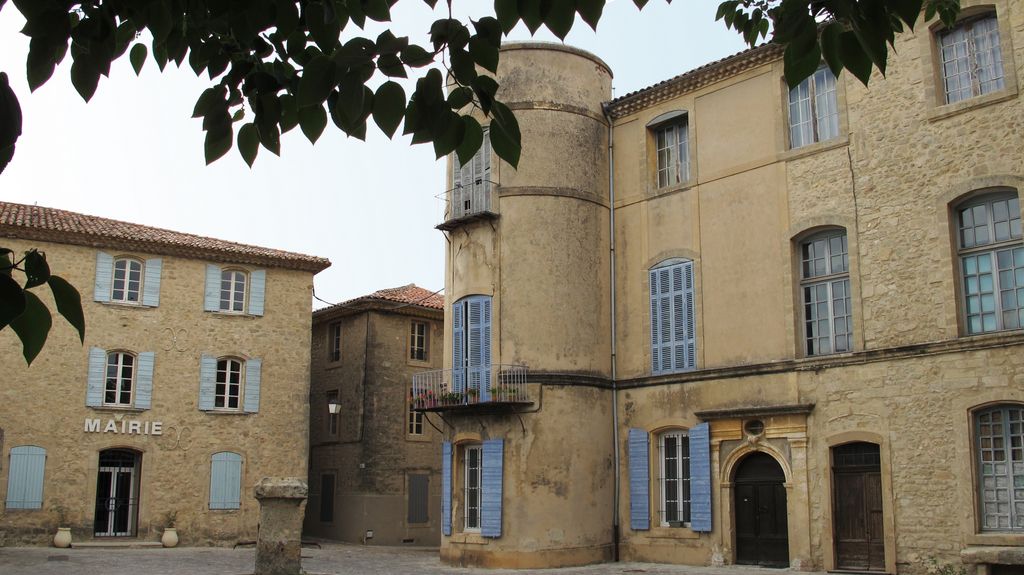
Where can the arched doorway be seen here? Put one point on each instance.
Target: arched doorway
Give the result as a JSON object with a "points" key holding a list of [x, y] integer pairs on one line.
{"points": [[117, 493], [857, 507], [762, 531]]}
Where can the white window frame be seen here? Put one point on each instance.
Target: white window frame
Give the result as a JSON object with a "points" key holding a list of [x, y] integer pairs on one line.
{"points": [[418, 342], [814, 110], [472, 517], [222, 400], [996, 428], [833, 283], [128, 294], [118, 382], [984, 262], [414, 423], [672, 152], [235, 302], [970, 52], [680, 466]]}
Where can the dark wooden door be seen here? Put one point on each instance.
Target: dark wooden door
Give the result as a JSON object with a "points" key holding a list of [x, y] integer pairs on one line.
{"points": [[857, 505], [762, 529]]}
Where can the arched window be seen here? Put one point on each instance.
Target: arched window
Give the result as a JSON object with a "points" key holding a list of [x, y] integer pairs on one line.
{"points": [[229, 383], [471, 345], [825, 293], [991, 262], [232, 290], [672, 148], [120, 379], [126, 286], [999, 452], [673, 317]]}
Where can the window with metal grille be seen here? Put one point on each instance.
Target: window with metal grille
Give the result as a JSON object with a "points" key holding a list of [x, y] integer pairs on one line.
{"points": [[813, 110], [999, 449], [674, 458], [971, 59], [991, 263], [472, 454], [825, 290]]}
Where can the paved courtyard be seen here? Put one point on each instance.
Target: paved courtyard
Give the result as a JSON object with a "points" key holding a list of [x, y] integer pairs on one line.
{"points": [[332, 559]]}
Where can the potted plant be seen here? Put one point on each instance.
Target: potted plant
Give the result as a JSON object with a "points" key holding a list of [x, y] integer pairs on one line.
{"points": [[62, 538], [170, 536], [471, 395]]}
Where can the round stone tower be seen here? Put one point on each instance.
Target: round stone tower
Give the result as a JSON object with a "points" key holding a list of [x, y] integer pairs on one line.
{"points": [[529, 478]]}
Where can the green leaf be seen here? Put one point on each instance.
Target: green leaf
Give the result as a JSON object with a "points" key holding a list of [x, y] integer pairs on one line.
{"points": [[505, 136], [459, 97], [531, 14], [85, 76], [286, 16], [830, 47], [484, 54], [485, 88], [378, 10], [218, 142], [317, 81], [69, 303], [560, 17], [270, 136], [447, 138], [389, 107], [138, 57], [37, 271], [32, 326], [590, 11], [248, 143], [415, 56], [507, 13], [209, 100], [10, 114], [313, 120], [323, 26], [472, 139], [854, 58], [12, 300], [289, 113]]}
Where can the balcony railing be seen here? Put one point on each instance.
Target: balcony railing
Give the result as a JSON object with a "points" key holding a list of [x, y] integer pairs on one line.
{"points": [[468, 202], [494, 385]]}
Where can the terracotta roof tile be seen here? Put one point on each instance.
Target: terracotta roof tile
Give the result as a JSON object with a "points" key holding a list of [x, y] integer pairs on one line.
{"points": [[411, 295], [62, 226]]}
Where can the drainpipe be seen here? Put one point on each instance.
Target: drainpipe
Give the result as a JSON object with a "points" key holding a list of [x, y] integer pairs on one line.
{"points": [[611, 275]]}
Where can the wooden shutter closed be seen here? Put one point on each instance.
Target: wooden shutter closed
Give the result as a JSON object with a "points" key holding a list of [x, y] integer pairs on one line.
{"points": [[211, 293], [459, 346], [25, 477], [104, 277], [419, 498], [151, 283], [207, 382], [144, 380], [491, 487], [446, 488], [639, 480], [96, 377], [700, 478], [673, 318], [257, 289], [253, 377], [226, 480]]}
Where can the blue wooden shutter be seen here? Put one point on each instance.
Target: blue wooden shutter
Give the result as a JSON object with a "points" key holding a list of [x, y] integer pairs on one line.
{"points": [[639, 482], [690, 341], [211, 295], [484, 170], [207, 381], [25, 477], [226, 480], [96, 377], [104, 276], [144, 380], [479, 313], [151, 283], [257, 289], [459, 346], [446, 488], [490, 485], [700, 478], [253, 375]]}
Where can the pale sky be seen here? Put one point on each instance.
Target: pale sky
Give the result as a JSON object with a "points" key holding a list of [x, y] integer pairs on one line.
{"points": [[133, 153]]}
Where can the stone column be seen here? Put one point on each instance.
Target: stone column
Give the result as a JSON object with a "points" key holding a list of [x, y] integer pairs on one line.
{"points": [[279, 543]]}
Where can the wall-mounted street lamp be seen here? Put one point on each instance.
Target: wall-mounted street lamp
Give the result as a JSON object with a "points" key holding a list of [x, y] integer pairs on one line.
{"points": [[334, 406]]}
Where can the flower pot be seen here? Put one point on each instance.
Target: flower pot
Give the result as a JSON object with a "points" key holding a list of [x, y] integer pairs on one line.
{"points": [[170, 537], [63, 538]]}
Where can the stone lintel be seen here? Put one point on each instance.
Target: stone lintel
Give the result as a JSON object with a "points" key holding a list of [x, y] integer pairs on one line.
{"points": [[281, 488]]}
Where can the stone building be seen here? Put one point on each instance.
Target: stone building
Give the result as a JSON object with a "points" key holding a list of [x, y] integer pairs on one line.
{"points": [[717, 321], [190, 387], [374, 473]]}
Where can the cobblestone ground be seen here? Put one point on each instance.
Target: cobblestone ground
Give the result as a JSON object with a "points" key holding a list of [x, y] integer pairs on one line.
{"points": [[332, 559]]}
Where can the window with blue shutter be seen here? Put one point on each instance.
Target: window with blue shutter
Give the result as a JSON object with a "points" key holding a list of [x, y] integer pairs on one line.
{"points": [[207, 382], [104, 277], [673, 318], [25, 477], [151, 284], [639, 480], [700, 478], [144, 380], [446, 488], [96, 378], [226, 480], [471, 182], [471, 345], [491, 486], [253, 375]]}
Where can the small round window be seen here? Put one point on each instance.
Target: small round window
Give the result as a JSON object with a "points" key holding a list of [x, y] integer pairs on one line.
{"points": [[754, 427]]}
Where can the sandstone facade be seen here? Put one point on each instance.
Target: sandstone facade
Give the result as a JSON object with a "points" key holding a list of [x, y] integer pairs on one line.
{"points": [[562, 258], [374, 475], [171, 470]]}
